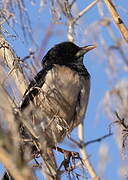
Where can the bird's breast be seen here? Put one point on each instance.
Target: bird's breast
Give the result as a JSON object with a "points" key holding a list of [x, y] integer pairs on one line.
{"points": [[63, 81]]}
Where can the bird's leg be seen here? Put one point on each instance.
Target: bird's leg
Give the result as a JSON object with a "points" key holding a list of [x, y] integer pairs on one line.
{"points": [[67, 156]]}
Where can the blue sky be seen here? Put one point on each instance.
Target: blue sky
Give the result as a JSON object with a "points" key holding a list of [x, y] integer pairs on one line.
{"points": [[96, 122]]}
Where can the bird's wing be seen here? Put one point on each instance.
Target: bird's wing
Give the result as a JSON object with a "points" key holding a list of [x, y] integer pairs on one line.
{"points": [[33, 87], [82, 101]]}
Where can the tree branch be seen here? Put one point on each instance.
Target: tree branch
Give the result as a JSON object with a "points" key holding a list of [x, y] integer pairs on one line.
{"points": [[83, 152], [8, 56], [118, 21]]}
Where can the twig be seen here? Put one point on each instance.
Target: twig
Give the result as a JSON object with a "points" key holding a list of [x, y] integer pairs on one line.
{"points": [[72, 3], [66, 9], [98, 139], [121, 52], [91, 141], [117, 19], [121, 121], [50, 166], [83, 152], [85, 10]]}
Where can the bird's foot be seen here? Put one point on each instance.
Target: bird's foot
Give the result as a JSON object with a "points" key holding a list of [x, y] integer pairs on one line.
{"points": [[69, 158]]}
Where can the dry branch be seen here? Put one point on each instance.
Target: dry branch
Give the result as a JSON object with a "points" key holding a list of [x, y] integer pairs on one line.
{"points": [[8, 56], [7, 160], [85, 158], [9, 146], [118, 21]]}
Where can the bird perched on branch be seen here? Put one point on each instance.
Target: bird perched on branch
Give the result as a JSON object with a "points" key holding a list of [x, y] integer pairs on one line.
{"points": [[56, 99]]}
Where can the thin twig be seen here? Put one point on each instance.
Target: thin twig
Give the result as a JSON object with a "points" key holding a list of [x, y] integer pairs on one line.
{"points": [[121, 121], [124, 126], [91, 141], [85, 10], [98, 139]]}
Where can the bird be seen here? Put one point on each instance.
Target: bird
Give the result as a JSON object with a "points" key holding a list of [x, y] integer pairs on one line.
{"points": [[56, 99]]}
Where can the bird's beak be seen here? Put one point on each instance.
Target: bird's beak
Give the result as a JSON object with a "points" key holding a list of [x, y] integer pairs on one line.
{"points": [[84, 50], [88, 48]]}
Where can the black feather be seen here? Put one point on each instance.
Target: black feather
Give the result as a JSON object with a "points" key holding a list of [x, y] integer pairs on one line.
{"points": [[33, 90]]}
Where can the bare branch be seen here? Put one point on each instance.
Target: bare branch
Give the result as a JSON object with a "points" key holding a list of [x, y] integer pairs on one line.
{"points": [[91, 141], [85, 10], [8, 56], [98, 139], [83, 152]]}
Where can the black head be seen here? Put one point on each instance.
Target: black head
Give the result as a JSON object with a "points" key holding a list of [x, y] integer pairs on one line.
{"points": [[65, 53]]}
